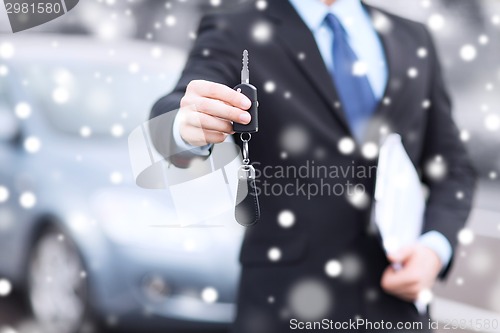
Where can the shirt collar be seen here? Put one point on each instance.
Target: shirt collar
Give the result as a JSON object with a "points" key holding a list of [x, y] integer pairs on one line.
{"points": [[313, 12]]}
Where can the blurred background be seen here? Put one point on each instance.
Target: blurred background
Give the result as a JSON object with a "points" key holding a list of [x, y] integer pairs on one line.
{"points": [[82, 246]]}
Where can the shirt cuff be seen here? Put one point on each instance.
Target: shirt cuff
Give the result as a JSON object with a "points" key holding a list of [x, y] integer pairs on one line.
{"points": [[183, 145], [439, 244]]}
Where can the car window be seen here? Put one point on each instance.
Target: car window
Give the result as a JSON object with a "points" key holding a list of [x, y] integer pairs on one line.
{"points": [[94, 100]]}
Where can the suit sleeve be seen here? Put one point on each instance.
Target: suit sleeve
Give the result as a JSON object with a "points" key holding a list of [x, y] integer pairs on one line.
{"points": [[214, 57], [451, 196]]}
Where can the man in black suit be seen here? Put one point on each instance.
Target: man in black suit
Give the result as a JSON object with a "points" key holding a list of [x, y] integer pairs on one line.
{"points": [[315, 257]]}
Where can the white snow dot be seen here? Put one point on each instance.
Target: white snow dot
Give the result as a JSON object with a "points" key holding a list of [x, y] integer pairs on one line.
{"points": [[426, 104], [63, 77], [386, 101], [215, 3], [436, 168], [85, 131], [286, 218], [468, 52], [32, 144], [170, 21], [6, 50], [464, 135], [284, 155], [489, 86], [133, 67], [295, 139], [346, 145], [465, 236], [425, 3], [436, 22], [425, 296], [206, 52], [156, 52], [422, 52], [4, 194], [5, 287], [261, 4], [492, 122], [60, 95], [359, 68], [27, 200], [116, 177], [381, 22], [483, 39], [270, 299], [269, 86], [209, 295], [357, 197], [369, 150], [274, 254], [310, 300], [4, 70], [23, 110], [384, 130], [492, 175], [333, 268], [495, 19], [262, 32], [117, 130], [460, 195], [287, 95], [412, 72], [301, 56], [460, 281], [83, 274]]}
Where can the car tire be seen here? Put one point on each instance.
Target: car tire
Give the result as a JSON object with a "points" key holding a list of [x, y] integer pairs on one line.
{"points": [[58, 286]]}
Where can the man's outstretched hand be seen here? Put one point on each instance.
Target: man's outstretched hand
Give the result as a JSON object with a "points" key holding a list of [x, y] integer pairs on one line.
{"points": [[208, 110], [420, 268]]}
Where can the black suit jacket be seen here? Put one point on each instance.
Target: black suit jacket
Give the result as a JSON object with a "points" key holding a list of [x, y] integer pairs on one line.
{"points": [[303, 119]]}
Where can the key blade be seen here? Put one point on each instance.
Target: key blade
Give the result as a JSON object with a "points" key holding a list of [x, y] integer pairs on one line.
{"points": [[245, 73]]}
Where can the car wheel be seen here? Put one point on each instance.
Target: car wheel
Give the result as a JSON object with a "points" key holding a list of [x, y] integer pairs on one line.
{"points": [[57, 284]]}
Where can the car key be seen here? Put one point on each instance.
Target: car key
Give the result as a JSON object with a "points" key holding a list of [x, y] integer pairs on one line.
{"points": [[251, 92], [247, 209]]}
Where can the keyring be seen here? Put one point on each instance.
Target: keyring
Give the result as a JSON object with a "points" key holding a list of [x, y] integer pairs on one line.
{"points": [[242, 137]]}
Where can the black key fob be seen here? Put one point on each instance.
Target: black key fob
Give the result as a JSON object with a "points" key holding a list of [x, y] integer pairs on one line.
{"points": [[251, 92]]}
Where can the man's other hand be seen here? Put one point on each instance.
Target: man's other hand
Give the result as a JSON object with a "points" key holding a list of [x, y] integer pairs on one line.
{"points": [[208, 110], [420, 267]]}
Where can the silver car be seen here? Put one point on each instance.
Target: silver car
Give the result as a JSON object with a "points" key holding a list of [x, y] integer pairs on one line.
{"points": [[86, 244]]}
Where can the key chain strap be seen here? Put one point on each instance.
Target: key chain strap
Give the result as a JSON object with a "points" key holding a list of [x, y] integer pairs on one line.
{"points": [[246, 151]]}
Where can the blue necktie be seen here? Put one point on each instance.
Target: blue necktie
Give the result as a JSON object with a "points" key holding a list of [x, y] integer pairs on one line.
{"points": [[355, 92]]}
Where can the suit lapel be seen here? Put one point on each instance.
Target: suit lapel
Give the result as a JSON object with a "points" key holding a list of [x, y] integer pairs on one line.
{"points": [[296, 38]]}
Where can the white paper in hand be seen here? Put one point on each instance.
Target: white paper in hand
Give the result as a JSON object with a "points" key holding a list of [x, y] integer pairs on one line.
{"points": [[399, 199]]}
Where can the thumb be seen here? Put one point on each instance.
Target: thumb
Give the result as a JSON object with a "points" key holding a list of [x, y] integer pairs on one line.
{"points": [[401, 256]]}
